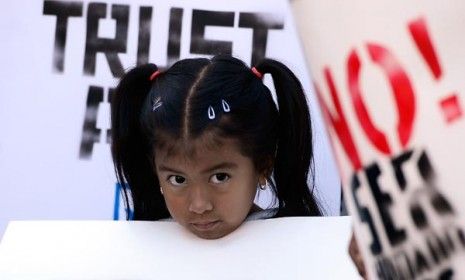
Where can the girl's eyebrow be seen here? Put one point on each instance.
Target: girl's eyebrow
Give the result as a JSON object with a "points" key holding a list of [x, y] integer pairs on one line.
{"points": [[223, 165], [169, 169]]}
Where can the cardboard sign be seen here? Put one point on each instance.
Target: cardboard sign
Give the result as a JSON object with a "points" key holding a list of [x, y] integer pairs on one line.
{"points": [[285, 248], [389, 76]]}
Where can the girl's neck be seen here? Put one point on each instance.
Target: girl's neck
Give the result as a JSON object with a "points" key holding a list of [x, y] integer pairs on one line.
{"points": [[255, 208]]}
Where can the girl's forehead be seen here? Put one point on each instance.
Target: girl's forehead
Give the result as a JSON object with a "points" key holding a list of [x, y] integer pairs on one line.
{"points": [[198, 158], [204, 147]]}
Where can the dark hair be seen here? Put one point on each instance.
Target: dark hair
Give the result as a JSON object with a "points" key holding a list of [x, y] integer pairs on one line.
{"points": [[277, 139]]}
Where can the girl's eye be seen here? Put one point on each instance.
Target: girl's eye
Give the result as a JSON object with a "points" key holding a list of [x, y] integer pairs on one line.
{"points": [[219, 178], [177, 180]]}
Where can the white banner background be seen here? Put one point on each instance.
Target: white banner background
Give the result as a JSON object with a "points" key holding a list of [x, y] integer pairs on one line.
{"points": [[43, 110]]}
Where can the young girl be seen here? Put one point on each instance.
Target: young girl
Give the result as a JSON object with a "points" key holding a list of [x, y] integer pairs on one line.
{"points": [[196, 141]]}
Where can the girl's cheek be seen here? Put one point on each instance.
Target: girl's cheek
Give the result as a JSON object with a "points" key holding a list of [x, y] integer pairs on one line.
{"points": [[176, 206]]}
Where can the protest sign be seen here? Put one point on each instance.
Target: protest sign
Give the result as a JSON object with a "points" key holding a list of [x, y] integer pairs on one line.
{"points": [[389, 76]]}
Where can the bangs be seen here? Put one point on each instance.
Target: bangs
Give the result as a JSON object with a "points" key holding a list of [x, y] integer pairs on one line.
{"points": [[169, 145]]}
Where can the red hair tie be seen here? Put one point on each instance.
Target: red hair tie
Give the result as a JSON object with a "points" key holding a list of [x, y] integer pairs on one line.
{"points": [[154, 75], [257, 73]]}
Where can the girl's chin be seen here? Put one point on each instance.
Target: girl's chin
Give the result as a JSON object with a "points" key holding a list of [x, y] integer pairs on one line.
{"points": [[215, 232]]}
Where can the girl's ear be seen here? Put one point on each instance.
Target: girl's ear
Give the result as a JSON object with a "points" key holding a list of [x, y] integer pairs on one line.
{"points": [[265, 173], [262, 180]]}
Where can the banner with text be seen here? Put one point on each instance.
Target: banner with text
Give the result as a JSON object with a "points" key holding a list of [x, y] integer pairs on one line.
{"points": [[389, 76]]}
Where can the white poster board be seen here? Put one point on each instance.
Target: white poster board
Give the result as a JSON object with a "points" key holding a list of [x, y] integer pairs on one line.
{"points": [[285, 248], [61, 60], [390, 77]]}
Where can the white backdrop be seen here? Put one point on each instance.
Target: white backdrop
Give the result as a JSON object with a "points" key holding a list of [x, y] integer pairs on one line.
{"points": [[55, 161]]}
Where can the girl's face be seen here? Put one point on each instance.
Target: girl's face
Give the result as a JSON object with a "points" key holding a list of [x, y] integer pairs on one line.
{"points": [[211, 191]]}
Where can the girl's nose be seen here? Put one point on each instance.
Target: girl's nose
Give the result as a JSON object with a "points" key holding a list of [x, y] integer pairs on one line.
{"points": [[199, 201]]}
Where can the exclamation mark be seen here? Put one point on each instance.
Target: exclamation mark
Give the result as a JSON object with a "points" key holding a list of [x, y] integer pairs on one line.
{"points": [[450, 105]]}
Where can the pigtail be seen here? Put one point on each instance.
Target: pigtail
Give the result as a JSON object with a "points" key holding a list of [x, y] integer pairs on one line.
{"points": [[294, 153], [131, 147]]}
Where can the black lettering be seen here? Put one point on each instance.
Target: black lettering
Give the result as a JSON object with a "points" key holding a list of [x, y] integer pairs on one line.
{"points": [[109, 98], [440, 204], [383, 201], [442, 247], [397, 163], [385, 270], [439, 201], [109, 47], [461, 236], [145, 27], [62, 10], [446, 274], [201, 19], [426, 168], [174, 37], [403, 266], [418, 216], [365, 217], [90, 132], [421, 264], [450, 242], [260, 23], [432, 250]]}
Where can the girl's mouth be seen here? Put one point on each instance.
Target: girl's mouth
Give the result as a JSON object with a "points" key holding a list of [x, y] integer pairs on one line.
{"points": [[205, 225]]}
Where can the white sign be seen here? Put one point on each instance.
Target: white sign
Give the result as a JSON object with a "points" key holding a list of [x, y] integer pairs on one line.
{"points": [[285, 248], [390, 77]]}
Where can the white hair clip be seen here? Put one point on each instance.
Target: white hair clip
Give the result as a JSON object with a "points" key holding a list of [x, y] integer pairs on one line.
{"points": [[157, 103], [226, 107], [211, 113]]}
